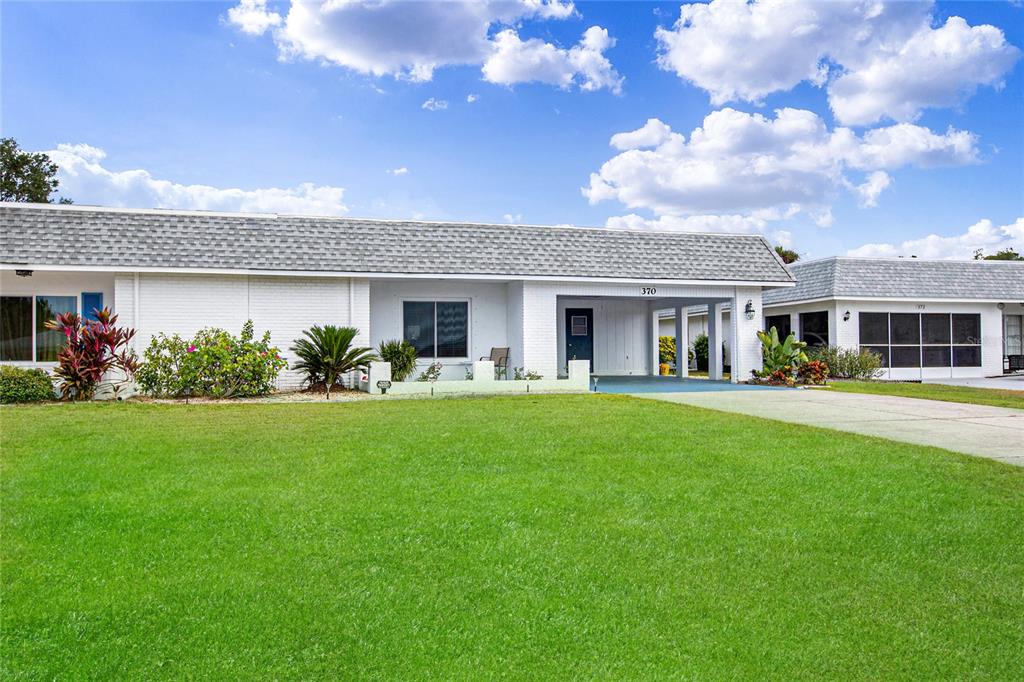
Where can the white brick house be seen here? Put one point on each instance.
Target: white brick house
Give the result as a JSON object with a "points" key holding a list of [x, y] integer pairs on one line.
{"points": [[455, 290]]}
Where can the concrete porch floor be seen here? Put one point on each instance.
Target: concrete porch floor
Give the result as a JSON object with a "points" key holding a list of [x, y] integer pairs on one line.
{"points": [[660, 384]]}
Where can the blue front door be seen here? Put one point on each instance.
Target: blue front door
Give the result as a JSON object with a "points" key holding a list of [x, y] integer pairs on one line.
{"points": [[579, 335]]}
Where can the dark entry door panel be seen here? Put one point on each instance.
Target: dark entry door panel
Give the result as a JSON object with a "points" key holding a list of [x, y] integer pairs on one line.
{"points": [[579, 335]]}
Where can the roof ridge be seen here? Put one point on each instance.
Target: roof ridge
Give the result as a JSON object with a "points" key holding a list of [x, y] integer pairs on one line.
{"points": [[390, 221]]}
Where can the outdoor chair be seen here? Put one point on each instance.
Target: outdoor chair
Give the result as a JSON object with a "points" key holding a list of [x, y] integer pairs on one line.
{"points": [[499, 356]]}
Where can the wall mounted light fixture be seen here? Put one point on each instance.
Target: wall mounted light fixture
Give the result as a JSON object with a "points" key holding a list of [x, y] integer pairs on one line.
{"points": [[846, 316], [749, 310]]}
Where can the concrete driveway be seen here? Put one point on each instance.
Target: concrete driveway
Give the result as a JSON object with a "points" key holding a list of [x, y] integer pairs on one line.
{"points": [[993, 432]]}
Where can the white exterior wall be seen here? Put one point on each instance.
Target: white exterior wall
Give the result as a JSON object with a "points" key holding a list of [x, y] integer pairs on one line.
{"points": [[489, 313], [184, 304], [58, 284], [846, 334]]}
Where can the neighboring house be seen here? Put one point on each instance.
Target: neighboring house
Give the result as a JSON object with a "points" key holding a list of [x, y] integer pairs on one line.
{"points": [[927, 319], [454, 290]]}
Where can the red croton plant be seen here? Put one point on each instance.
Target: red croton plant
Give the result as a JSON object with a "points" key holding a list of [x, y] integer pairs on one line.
{"points": [[92, 350]]}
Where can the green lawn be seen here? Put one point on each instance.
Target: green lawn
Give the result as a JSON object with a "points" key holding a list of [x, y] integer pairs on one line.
{"points": [[529, 537], [955, 394]]}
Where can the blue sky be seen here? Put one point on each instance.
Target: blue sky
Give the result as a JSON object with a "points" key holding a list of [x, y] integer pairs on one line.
{"points": [[915, 134]]}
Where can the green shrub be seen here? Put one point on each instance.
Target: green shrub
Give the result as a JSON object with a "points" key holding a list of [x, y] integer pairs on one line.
{"points": [[213, 363], [848, 363], [431, 373], [327, 354], [700, 351], [666, 349], [19, 385], [401, 355]]}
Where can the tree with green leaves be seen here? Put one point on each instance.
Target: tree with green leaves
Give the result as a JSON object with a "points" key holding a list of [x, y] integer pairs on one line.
{"points": [[1002, 254], [788, 256], [27, 176]]}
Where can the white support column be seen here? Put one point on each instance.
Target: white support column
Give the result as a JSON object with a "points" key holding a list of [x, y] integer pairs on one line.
{"points": [[682, 342], [715, 341], [540, 330], [745, 346], [654, 342]]}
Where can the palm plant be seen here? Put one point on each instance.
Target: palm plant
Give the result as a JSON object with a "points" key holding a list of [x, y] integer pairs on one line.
{"points": [[327, 353], [401, 355], [784, 356]]}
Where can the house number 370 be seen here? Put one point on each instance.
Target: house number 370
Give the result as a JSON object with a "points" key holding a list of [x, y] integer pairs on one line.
{"points": [[648, 291]]}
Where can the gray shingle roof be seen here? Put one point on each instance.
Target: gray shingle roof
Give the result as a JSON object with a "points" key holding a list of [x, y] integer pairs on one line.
{"points": [[842, 277], [88, 236]]}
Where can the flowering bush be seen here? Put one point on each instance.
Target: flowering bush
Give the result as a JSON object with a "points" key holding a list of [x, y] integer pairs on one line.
{"points": [[94, 351], [213, 363]]}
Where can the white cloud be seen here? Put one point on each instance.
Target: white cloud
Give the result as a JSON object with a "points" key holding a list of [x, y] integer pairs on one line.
{"points": [[398, 171], [752, 166], [435, 104], [935, 67], [412, 39], [984, 235], [518, 61], [878, 59], [513, 218], [872, 186], [471, 98], [695, 223], [87, 181], [652, 134], [252, 17]]}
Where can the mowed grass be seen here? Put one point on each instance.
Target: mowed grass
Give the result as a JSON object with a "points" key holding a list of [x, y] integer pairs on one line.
{"points": [[957, 394], [527, 537]]}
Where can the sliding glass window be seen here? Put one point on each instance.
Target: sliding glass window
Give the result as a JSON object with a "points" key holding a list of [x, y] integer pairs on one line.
{"points": [[437, 329], [50, 341]]}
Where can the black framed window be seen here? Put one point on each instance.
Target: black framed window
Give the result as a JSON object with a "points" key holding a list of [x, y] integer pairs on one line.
{"points": [[967, 329], [923, 339], [967, 356], [874, 329], [905, 356], [966, 340], [814, 328], [782, 324], [437, 329], [452, 329], [935, 329], [16, 328], [904, 329]]}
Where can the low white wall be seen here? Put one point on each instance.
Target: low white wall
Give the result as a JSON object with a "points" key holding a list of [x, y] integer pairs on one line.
{"points": [[482, 383]]}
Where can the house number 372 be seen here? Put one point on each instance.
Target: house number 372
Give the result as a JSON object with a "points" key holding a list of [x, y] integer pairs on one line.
{"points": [[648, 291]]}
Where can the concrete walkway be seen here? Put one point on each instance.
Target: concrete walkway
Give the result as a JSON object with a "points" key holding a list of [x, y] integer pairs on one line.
{"points": [[993, 432], [1010, 382]]}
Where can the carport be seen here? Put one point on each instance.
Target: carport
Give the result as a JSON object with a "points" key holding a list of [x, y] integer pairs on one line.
{"points": [[619, 334]]}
